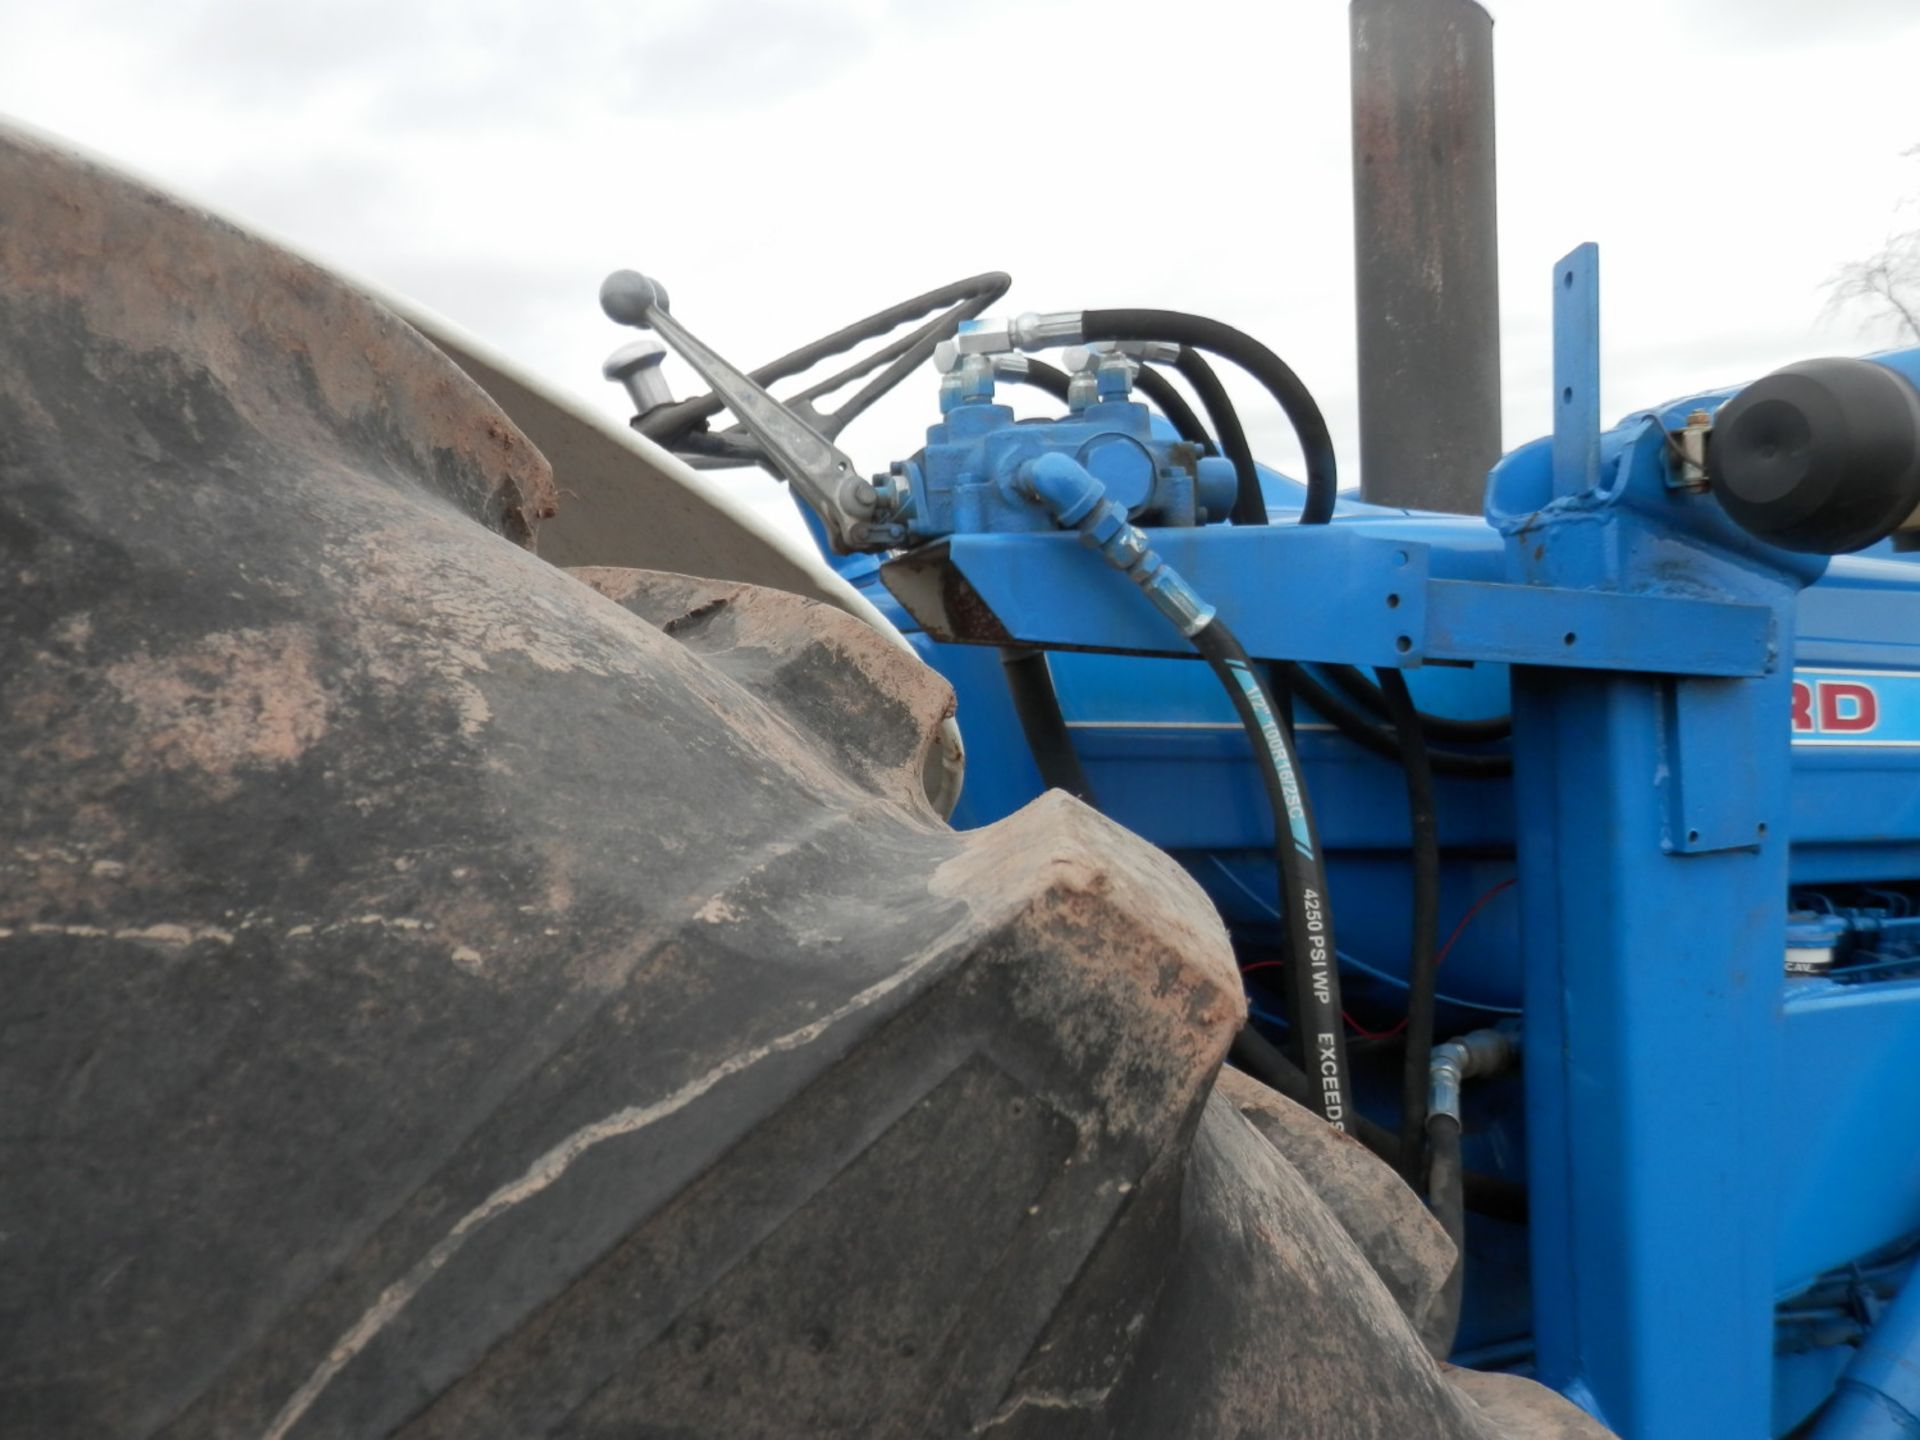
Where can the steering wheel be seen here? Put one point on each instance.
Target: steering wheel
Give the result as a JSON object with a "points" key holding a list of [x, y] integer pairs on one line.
{"points": [[681, 426]]}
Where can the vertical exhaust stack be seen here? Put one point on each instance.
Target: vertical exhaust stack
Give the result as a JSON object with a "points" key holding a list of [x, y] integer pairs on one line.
{"points": [[1425, 251]]}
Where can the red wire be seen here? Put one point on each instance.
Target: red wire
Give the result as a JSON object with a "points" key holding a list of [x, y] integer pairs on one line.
{"points": [[1438, 960], [1366, 1034], [1467, 919]]}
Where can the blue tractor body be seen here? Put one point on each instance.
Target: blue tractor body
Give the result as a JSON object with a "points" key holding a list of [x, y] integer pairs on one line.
{"points": [[1696, 901]]}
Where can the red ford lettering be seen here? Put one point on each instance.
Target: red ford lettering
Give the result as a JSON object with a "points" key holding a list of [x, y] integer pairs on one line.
{"points": [[1802, 708], [1847, 707], [1834, 707]]}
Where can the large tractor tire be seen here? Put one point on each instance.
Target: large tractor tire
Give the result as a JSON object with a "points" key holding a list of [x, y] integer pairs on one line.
{"points": [[446, 996]]}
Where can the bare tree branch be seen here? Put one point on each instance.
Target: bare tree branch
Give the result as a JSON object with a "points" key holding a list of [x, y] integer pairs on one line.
{"points": [[1886, 285]]}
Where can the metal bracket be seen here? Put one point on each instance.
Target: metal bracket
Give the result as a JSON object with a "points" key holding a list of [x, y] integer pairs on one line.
{"points": [[1576, 371], [1712, 778]]}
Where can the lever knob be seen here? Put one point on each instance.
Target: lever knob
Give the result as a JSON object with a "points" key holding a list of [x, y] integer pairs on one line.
{"points": [[627, 296]]}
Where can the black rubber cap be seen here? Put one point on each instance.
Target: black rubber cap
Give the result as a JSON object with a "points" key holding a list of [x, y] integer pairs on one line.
{"points": [[1822, 456]]}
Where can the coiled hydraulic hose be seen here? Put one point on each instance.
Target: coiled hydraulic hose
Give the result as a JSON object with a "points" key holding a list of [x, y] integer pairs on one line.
{"points": [[1295, 400], [1422, 967]]}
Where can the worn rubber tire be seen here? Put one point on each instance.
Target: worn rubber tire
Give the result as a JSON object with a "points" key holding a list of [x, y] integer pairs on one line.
{"points": [[447, 996]]}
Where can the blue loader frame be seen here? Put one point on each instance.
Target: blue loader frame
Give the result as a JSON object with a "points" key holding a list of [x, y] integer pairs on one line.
{"points": [[1652, 645]]}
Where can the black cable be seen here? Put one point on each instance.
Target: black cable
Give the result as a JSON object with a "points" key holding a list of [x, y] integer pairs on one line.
{"points": [[1320, 1033], [1037, 706], [1436, 727], [1249, 504], [1422, 969], [1302, 412], [1489, 1195], [1379, 738], [1447, 1197]]}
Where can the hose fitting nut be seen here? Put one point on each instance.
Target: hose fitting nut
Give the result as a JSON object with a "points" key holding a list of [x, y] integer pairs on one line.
{"points": [[1478, 1052], [1031, 331]]}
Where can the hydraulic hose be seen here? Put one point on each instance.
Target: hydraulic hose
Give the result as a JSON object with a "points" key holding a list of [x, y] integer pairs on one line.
{"points": [[1259, 1057], [1381, 739], [1447, 1198], [1249, 505], [1320, 1037], [1422, 967], [1077, 500], [1479, 1052], [1437, 727], [1151, 383], [1029, 681], [1037, 707], [1172, 404], [1250, 508], [1049, 378], [1302, 412]]}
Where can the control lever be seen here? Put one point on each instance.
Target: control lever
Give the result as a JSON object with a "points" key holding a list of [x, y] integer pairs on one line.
{"points": [[820, 473]]}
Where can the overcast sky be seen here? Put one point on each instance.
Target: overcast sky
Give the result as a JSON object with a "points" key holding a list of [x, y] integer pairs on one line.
{"points": [[786, 167]]}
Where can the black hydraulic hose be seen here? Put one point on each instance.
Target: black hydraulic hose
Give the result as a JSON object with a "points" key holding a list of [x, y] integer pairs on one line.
{"points": [[1422, 968], [1259, 1057], [1151, 383], [1437, 727], [1249, 508], [1037, 706], [1380, 739], [1302, 412], [1320, 1036], [1049, 378], [1172, 404], [1447, 1197], [1249, 505]]}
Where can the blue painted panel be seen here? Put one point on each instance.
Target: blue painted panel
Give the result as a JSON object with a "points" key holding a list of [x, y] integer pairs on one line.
{"points": [[1848, 1122]]}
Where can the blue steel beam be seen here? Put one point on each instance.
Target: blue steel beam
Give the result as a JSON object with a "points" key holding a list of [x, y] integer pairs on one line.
{"points": [[1326, 593], [1652, 842], [1652, 986]]}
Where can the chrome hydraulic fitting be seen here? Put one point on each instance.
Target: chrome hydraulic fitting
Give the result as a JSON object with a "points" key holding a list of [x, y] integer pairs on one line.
{"points": [[1478, 1052]]}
